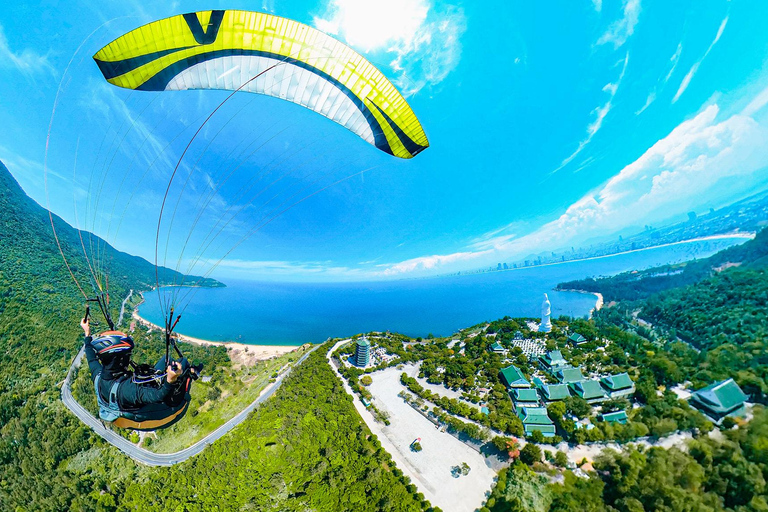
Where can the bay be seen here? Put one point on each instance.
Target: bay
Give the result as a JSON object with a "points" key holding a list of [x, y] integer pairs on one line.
{"points": [[278, 313]]}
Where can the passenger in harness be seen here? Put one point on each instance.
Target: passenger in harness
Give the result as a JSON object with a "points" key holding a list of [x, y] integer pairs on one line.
{"points": [[131, 396]]}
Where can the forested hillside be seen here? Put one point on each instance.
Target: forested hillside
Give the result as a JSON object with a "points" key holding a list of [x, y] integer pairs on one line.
{"points": [[306, 449], [642, 284], [710, 329]]}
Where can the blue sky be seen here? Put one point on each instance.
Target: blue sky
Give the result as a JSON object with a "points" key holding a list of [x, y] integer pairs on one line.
{"points": [[550, 125]]}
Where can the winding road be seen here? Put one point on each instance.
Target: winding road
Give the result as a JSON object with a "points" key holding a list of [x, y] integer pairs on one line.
{"points": [[160, 459], [122, 308]]}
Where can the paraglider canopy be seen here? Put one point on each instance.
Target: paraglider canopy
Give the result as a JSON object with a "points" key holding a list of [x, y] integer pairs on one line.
{"points": [[227, 49]]}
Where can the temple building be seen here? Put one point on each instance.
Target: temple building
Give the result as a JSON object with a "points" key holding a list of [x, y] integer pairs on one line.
{"points": [[525, 397], [546, 311], [721, 399], [589, 390], [551, 392], [497, 348], [536, 418], [569, 375], [615, 417], [512, 377], [618, 386], [553, 361], [363, 352], [577, 339]]}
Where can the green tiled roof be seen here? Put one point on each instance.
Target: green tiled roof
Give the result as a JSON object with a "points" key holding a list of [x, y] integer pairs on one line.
{"points": [[721, 397], [525, 395], [363, 342], [555, 391], [577, 338], [512, 376], [615, 417], [616, 382], [568, 375], [554, 358], [496, 347], [588, 389], [534, 416]]}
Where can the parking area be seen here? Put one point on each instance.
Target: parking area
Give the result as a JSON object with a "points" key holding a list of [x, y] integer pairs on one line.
{"points": [[430, 468]]}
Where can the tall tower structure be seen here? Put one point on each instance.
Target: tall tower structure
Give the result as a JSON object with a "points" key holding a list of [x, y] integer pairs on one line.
{"points": [[546, 311], [363, 352]]}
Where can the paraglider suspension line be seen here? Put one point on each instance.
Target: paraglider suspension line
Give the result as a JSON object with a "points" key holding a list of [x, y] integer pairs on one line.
{"points": [[102, 301]]}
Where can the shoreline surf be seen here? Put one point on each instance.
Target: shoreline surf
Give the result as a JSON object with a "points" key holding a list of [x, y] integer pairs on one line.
{"points": [[242, 353]]}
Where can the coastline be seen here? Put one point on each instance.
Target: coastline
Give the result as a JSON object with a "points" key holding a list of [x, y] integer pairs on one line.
{"points": [[239, 353], [745, 236], [599, 301]]}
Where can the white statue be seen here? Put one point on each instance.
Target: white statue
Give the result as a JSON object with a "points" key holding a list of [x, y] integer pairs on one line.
{"points": [[546, 310]]}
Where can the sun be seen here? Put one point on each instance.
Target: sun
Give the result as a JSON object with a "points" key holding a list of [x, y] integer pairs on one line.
{"points": [[371, 25]]}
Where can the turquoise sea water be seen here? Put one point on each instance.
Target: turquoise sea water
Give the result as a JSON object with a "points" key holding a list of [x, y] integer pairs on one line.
{"points": [[295, 313]]}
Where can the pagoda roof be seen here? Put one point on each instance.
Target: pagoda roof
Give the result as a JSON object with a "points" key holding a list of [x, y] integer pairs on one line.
{"points": [[721, 396], [525, 395], [568, 375], [577, 338], [615, 417], [534, 416], [555, 391], [363, 342], [496, 347], [512, 376], [588, 389], [616, 382], [554, 358]]}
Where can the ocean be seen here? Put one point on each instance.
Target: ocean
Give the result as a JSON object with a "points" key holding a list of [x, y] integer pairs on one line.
{"points": [[271, 313]]}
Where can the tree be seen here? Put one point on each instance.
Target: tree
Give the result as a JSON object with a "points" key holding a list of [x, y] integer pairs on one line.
{"points": [[577, 406], [530, 454], [366, 380], [561, 459]]}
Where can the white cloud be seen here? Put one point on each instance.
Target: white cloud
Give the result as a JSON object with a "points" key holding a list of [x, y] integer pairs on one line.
{"points": [[598, 5], [689, 76], [599, 112], [28, 62], [674, 60], [702, 159], [429, 262], [650, 99], [694, 161], [425, 43], [652, 95], [621, 29]]}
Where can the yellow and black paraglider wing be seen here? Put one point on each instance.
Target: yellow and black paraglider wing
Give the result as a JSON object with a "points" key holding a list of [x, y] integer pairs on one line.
{"points": [[227, 49]]}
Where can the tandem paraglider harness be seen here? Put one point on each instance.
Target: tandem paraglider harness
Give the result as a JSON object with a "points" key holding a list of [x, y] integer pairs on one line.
{"points": [[151, 416]]}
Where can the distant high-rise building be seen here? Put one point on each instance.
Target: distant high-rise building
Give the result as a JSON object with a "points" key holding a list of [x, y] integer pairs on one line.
{"points": [[546, 310], [363, 352]]}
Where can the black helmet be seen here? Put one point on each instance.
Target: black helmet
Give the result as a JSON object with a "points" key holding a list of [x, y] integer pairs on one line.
{"points": [[112, 343]]}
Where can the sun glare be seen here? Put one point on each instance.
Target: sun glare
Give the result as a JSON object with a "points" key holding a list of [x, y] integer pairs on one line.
{"points": [[374, 24]]}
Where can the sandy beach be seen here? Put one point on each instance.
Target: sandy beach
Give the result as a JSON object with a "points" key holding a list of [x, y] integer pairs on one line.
{"points": [[599, 302], [239, 353]]}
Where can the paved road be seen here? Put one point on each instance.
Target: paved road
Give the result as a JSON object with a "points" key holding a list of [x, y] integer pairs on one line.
{"points": [[145, 456], [122, 309]]}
